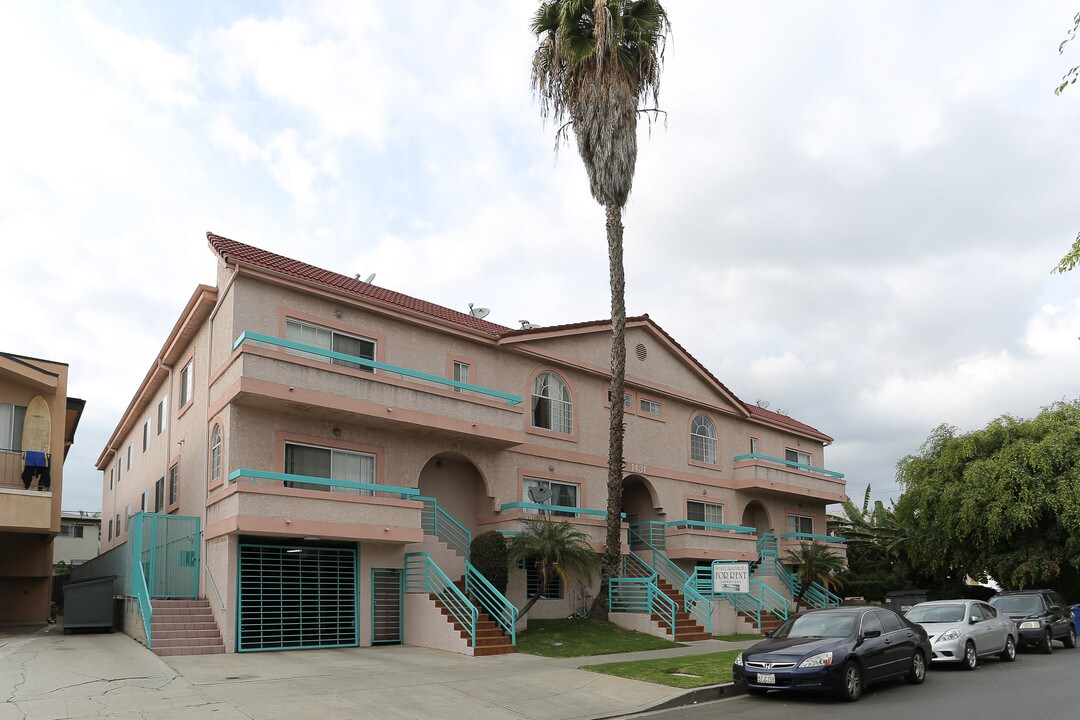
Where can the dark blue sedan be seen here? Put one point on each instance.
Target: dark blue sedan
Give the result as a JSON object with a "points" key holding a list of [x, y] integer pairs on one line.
{"points": [[835, 650]]}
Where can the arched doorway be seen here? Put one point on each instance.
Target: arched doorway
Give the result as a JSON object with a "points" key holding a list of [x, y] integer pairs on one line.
{"points": [[640, 507], [757, 517], [458, 487]]}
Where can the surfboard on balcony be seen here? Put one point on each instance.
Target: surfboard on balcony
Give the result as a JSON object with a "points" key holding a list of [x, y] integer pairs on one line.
{"points": [[37, 431]]}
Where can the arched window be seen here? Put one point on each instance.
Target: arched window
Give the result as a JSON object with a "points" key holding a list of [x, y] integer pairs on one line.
{"points": [[215, 453], [703, 440], [551, 405]]}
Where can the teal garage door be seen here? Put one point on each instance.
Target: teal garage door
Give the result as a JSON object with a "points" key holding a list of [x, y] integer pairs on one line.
{"points": [[296, 597]]}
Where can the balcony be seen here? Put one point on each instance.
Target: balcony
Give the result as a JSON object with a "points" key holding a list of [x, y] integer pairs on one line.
{"points": [[257, 502], [792, 541], [21, 510], [280, 374], [591, 522], [710, 541], [770, 474]]}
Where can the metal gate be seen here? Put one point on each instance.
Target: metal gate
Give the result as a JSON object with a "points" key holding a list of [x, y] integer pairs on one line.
{"points": [[385, 605], [167, 546], [296, 597]]}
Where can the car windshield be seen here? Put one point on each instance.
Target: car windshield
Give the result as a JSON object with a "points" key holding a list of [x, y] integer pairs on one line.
{"points": [[831, 625], [936, 614], [1027, 604]]}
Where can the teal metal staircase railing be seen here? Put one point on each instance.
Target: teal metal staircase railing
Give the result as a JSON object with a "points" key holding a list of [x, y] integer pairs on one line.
{"points": [[422, 575], [769, 563], [693, 601], [441, 524], [139, 589], [501, 610], [641, 594], [761, 599]]}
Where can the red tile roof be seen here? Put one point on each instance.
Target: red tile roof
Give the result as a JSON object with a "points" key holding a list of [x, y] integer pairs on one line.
{"points": [[233, 251]]}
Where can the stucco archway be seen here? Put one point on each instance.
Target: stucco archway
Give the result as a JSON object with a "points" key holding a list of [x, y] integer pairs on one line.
{"points": [[458, 486], [756, 516]]}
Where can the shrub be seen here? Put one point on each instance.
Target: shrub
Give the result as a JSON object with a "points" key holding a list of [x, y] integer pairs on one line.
{"points": [[489, 555]]}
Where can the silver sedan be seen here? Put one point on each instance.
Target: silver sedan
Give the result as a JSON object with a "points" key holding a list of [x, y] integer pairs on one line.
{"points": [[964, 630]]}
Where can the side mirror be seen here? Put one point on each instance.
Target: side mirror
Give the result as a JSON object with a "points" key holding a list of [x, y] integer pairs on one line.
{"points": [[1055, 608], [769, 634], [872, 634]]}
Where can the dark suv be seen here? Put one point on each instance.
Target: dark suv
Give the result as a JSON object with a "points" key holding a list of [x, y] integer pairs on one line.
{"points": [[1040, 615]]}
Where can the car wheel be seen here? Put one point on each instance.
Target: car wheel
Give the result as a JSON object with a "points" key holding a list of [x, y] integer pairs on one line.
{"points": [[1009, 653], [971, 658], [852, 688], [1070, 640], [1046, 645], [917, 674], [755, 691]]}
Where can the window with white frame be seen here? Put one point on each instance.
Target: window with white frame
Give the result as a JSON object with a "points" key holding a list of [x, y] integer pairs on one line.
{"points": [[159, 495], [329, 463], [215, 453], [117, 525], [142, 505], [326, 339], [111, 478], [162, 413], [174, 483], [627, 401], [698, 511], [552, 407], [557, 493], [187, 384], [753, 446], [461, 374], [110, 529], [797, 456], [800, 524], [651, 407], [145, 435], [703, 440], [119, 470], [71, 530], [11, 425], [131, 449]]}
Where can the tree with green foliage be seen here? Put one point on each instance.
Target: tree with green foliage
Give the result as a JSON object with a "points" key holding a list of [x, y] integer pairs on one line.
{"points": [[490, 556], [815, 562], [595, 61], [876, 560], [1072, 258], [556, 548], [1001, 502]]}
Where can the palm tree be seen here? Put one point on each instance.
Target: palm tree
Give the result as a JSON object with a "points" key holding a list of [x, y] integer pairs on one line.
{"points": [[557, 548], [595, 61], [817, 563]]}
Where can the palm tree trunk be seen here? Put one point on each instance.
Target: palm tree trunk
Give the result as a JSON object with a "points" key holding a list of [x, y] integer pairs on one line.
{"points": [[613, 540]]}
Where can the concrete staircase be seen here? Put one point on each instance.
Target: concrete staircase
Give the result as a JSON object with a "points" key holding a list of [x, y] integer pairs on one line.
{"points": [[184, 627], [687, 629], [490, 638]]}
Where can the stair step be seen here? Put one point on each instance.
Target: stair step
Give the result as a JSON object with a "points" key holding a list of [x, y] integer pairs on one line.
{"points": [[166, 634], [493, 650], [185, 641], [194, 650]]}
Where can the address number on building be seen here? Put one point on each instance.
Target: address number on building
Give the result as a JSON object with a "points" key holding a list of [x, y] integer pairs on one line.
{"points": [[635, 467]]}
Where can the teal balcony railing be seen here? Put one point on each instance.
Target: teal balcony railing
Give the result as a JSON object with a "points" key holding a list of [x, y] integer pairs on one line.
{"points": [[318, 483], [259, 340], [556, 510], [811, 537], [719, 527], [790, 463]]}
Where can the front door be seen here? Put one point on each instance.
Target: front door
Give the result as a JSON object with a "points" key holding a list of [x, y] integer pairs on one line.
{"points": [[385, 606]]}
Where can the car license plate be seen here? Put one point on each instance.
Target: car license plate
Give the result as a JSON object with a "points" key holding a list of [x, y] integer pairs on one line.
{"points": [[766, 678]]}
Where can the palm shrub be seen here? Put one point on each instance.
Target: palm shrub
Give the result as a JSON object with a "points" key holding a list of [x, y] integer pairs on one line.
{"points": [[816, 563], [555, 548], [490, 556]]}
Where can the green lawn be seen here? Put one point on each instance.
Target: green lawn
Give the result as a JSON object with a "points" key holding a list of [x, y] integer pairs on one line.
{"points": [[576, 638], [738, 638], [708, 669]]}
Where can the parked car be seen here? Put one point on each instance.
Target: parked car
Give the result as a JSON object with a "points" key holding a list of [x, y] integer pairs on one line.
{"points": [[838, 650], [1040, 616], [964, 630]]}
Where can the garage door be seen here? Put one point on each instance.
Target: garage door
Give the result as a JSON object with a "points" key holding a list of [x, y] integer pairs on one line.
{"points": [[293, 597]]}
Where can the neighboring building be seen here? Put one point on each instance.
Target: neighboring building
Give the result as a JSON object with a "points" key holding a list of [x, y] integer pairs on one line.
{"points": [[323, 429], [79, 538], [30, 518]]}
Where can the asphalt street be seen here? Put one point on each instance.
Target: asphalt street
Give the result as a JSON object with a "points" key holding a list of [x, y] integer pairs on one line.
{"points": [[1033, 686]]}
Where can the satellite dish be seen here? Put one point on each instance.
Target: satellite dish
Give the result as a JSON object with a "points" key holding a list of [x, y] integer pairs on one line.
{"points": [[526, 325], [540, 494], [479, 312], [763, 404]]}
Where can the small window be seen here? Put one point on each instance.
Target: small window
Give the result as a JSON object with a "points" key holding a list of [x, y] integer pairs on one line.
{"points": [[627, 401], [554, 589], [704, 512], [461, 375], [110, 530], [326, 339], [162, 413], [142, 503], [552, 407], [330, 464], [131, 449], [800, 524], [110, 478], [797, 456], [187, 384], [174, 483], [119, 470], [651, 407], [159, 495], [215, 453], [12, 418], [145, 435], [703, 440], [557, 493], [753, 446]]}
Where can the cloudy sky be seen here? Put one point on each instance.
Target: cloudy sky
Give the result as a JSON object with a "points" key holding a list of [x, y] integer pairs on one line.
{"points": [[851, 211]]}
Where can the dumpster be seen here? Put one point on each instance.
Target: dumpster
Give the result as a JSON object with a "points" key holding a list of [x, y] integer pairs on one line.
{"points": [[900, 601], [1076, 615], [89, 604]]}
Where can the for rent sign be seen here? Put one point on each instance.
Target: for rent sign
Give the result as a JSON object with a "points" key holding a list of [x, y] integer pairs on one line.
{"points": [[731, 577]]}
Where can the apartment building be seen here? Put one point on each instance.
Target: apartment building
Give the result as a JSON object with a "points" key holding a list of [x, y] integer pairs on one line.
{"points": [[338, 443], [30, 511]]}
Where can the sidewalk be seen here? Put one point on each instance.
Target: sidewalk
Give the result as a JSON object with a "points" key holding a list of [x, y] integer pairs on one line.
{"points": [[49, 675]]}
